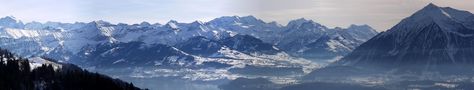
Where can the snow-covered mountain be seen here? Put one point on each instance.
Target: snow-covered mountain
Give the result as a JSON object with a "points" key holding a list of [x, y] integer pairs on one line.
{"points": [[10, 22], [50, 38], [227, 47], [434, 38], [430, 47], [308, 39]]}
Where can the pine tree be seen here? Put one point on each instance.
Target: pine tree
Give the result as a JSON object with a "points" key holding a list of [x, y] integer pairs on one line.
{"points": [[16, 74]]}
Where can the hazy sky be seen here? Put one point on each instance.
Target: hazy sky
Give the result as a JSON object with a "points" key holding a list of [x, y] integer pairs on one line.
{"points": [[380, 14]]}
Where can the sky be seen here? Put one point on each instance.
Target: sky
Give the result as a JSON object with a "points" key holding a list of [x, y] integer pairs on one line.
{"points": [[380, 14]]}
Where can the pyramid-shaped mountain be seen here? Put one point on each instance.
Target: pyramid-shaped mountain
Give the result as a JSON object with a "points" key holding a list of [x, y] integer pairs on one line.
{"points": [[432, 38]]}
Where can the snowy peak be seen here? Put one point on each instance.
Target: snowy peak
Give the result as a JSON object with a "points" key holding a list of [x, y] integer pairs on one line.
{"points": [[8, 19], [10, 22], [173, 25], [172, 21], [251, 19], [197, 23], [354, 26], [312, 24], [102, 23], [432, 37], [446, 18], [431, 6], [224, 20], [303, 23], [361, 32], [236, 21], [440, 14], [297, 22], [433, 12], [306, 25], [145, 24], [362, 28]]}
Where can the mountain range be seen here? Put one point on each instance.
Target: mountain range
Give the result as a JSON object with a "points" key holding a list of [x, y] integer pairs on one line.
{"points": [[224, 48], [79, 42]]}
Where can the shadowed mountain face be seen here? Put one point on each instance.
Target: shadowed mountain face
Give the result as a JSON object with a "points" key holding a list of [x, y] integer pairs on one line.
{"points": [[203, 46], [136, 54], [435, 43], [433, 38], [248, 44], [200, 46]]}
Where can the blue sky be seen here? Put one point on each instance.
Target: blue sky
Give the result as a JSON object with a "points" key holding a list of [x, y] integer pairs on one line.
{"points": [[381, 14]]}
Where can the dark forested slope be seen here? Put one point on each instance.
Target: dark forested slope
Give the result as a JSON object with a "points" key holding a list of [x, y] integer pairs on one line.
{"points": [[18, 74]]}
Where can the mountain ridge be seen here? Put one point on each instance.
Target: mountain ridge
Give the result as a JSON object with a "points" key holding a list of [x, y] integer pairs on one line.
{"points": [[74, 36]]}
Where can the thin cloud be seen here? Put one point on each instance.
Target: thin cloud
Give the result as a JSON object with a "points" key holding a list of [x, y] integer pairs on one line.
{"points": [[380, 14]]}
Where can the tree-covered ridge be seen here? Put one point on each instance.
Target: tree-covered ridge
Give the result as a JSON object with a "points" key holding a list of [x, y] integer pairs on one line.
{"points": [[17, 74]]}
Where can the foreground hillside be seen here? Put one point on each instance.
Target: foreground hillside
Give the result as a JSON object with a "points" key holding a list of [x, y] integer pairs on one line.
{"points": [[19, 74]]}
